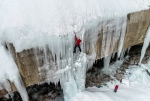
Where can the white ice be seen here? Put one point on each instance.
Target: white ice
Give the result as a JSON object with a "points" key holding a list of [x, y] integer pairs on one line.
{"points": [[9, 73], [106, 64], [23, 22], [145, 45]]}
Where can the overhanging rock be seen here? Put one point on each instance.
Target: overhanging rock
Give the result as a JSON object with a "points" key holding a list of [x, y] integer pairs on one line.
{"points": [[30, 66]]}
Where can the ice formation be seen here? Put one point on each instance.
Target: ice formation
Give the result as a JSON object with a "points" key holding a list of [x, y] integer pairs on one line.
{"points": [[49, 25], [28, 21], [75, 82], [9, 73], [122, 53], [106, 64], [145, 45]]}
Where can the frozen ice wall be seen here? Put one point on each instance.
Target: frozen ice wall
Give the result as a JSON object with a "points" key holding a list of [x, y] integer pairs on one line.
{"points": [[9, 73], [73, 80], [66, 67], [49, 26]]}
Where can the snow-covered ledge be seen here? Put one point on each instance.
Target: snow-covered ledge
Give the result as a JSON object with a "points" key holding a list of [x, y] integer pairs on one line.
{"points": [[38, 65], [42, 42]]}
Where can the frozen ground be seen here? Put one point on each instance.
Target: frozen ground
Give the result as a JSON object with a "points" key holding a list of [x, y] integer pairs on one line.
{"points": [[135, 92], [134, 87]]}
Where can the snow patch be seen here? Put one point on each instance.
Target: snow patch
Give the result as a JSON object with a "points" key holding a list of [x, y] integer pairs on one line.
{"points": [[139, 74]]}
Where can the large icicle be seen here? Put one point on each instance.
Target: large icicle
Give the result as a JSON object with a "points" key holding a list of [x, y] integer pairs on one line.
{"points": [[145, 45], [9, 71], [122, 54], [72, 77], [69, 85], [106, 64], [80, 71], [114, 29], [122, 35]]}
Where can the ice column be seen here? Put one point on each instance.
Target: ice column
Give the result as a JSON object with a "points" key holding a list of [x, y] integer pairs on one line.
{"points": [[9, 71], [145, 45], [113, 31], [122, 54], [122, 35], [73, 78], [69, 85], [106, 64], [71, 67], [80, 71]]}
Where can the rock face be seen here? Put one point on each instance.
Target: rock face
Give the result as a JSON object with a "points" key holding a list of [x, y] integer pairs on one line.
{"points": [[118, 76], [137, 26], [30, 66]]}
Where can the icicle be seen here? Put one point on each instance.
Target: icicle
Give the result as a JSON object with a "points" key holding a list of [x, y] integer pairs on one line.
{"points": [[109, 37], [69, 86], [122, 54], [104, 39], [117, 31], [145, 45], [45, 55], [9, 71], [106, 64], [21, 88], [128, 50], [122, 36], [80, 75], [113, 55]]}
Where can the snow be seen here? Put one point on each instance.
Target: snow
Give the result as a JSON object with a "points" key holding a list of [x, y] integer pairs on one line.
{"points": [[9, 73], [124, 93], [45, 20], [139, 73], [136, 82]]}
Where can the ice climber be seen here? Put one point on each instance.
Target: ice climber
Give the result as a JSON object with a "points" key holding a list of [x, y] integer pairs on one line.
{"points": [[78, 41]]}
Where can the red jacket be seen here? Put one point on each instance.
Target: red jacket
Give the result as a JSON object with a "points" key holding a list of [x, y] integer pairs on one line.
{"points": [[116, 87], [78, 41]]}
